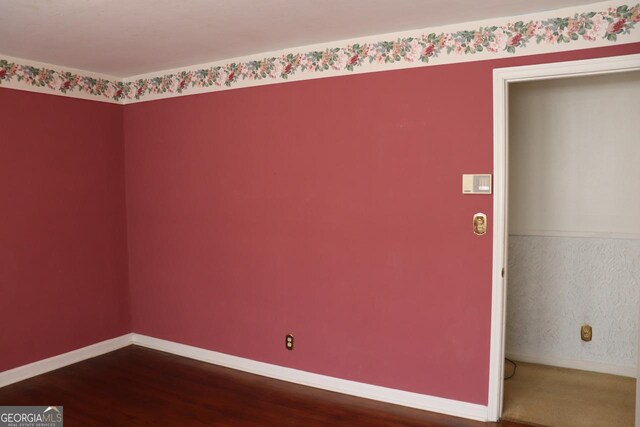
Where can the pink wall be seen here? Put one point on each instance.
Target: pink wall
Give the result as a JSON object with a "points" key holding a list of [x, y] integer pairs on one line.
{"points": [[328, 208], [63, 253]]}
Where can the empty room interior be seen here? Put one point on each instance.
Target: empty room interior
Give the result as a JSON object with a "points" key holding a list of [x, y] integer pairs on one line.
{"points": [[249, 213]]}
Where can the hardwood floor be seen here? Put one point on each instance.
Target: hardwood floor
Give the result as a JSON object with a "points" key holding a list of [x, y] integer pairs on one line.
{"points": [[136, 386]]}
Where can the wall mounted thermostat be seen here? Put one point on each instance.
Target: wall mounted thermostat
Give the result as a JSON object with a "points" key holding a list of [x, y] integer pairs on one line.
{"points": [[476, 184]]}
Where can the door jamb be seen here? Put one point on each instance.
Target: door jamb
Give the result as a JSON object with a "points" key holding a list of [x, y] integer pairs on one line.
{"points": [[502, 77]]}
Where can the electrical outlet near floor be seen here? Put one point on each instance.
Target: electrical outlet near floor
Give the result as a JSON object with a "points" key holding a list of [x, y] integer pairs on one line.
{"points": [[288, 342], [586, 333]]}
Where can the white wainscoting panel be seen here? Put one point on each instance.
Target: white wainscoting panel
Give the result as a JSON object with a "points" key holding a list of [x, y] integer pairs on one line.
{"points": [[557, 284]]}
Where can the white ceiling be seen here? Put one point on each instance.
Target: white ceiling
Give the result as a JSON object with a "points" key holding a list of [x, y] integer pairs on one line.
{"points": [[128, 37]]}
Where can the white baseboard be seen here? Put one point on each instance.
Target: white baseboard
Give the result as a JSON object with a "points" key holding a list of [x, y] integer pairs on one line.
{"points": [[52, 363], [368, 391], [583, 365]]}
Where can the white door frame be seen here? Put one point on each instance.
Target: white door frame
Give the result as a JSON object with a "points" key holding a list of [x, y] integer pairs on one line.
{"points": [[502, 77]]}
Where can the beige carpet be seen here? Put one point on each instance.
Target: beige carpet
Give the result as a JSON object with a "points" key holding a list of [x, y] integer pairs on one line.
{"points": [[559, 397]]}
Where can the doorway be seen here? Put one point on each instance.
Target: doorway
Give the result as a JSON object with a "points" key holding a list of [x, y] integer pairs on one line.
{"points": [[531, 220]]}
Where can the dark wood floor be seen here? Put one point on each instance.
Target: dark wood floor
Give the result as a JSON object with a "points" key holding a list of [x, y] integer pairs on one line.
{"points": [[136, 386]]}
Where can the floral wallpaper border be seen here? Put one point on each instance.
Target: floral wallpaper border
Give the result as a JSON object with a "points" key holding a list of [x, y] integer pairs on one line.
{"points": [[425, 48]]}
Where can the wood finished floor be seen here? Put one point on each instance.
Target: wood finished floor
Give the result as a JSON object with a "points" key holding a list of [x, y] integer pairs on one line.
{"points": [[136, 386]]}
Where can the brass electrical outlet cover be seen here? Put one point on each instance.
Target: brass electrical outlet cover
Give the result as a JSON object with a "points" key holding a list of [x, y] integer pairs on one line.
{"points": [[586, 333]]}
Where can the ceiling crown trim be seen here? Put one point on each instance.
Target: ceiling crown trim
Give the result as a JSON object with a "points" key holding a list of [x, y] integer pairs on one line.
{"points": [[594, 25]]}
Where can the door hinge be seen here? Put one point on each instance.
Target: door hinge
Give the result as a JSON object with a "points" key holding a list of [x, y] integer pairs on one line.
{"points": [[503, 272]]}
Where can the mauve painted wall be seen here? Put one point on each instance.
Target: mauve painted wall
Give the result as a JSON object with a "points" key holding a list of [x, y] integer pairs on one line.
{"points": [[329, 208], [63, 251]]}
